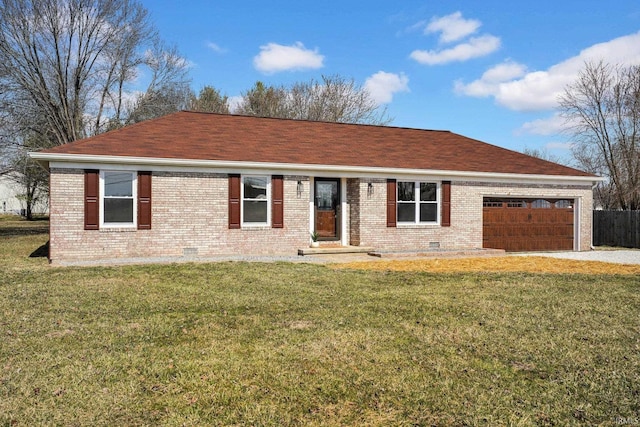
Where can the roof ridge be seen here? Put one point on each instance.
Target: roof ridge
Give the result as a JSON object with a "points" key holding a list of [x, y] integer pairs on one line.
{"points": [[287, 119], [195, 135]]}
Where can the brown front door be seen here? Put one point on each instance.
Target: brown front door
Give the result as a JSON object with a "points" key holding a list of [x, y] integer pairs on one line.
{"points": [[327, 208]]}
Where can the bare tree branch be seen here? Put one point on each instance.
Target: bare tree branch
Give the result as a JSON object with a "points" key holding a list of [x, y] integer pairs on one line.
{"points": [[66, 68], [602, 112], [70, 61], [334, 99]]}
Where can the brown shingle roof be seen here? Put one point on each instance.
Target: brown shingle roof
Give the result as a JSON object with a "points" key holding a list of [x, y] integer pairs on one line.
{"points": [[207, 136]]}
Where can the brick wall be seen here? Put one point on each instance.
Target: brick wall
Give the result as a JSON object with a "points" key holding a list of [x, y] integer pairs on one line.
{"points": [[353, 202], [465, 231], [189, 217]]}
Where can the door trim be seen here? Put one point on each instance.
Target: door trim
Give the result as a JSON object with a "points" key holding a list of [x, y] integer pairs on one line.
{"points": [[343, 204], [338, 208]]}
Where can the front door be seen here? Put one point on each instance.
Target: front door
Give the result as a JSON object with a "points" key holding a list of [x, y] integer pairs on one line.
{"points": [[327, 208]]}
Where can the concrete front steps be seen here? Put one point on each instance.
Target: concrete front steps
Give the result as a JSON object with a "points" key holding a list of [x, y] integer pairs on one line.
{"points": [[326, 250]]}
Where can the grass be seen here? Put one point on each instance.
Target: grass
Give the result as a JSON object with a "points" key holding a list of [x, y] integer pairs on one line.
{"points": [[499, 264], [298, 344], [12, 225]]}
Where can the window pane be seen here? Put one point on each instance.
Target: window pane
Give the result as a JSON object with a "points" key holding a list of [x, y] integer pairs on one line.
{"points": [[428, 212], [406, 212], [406, 191], [118, 184], [255, 211], [563, 204], [118, 210], [541, 204], [492, 203], [255, 187], [428, 192], [517, 204], [326, 195]]}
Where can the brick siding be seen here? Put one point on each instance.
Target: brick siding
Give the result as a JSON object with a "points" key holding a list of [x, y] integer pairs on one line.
{"points": [[190, 217], [465, 231]]}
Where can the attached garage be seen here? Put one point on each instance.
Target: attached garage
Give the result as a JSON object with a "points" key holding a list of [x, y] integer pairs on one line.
{"points": [[517, 224]]}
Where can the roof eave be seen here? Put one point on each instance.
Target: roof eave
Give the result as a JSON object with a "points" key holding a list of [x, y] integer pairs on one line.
{"points": [[78, 160]]}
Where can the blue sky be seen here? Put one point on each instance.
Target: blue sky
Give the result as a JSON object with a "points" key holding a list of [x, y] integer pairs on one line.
{"points": [[489, 70]]}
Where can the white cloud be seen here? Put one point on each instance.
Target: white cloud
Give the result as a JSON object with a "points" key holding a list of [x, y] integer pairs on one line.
{"points": [[452, 27], [506, 71], [418, 26], [539, 90], [383, 85], [274, 58], [491, 79], [475, 47], [549, 126], [559, 145], [216, 48], [234, 103]]}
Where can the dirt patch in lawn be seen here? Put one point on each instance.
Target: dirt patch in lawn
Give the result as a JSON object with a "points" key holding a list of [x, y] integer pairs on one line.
{"points": [[531, 264]]}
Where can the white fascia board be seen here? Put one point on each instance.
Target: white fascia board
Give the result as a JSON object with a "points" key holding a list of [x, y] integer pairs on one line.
{"points": [[75, 161]]}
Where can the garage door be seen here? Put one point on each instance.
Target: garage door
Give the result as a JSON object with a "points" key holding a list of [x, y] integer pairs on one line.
{"points": [[528, 224]]}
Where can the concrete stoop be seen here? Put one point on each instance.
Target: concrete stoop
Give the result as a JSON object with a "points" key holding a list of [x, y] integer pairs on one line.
{"points": [[326, 250]]}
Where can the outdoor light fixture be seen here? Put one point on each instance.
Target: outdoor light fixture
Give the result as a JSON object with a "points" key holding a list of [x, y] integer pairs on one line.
{"points": [[370, 189], [300, 188]]}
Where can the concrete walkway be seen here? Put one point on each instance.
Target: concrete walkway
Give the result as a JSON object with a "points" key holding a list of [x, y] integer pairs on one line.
{"points": [[613, 256], [617, 256]]}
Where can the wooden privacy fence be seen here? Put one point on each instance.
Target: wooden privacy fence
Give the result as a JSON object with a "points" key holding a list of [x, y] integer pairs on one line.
{"points": [[616, 228]]}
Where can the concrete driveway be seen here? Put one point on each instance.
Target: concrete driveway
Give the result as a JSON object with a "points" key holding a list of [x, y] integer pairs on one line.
{"points": [[622, 256]]}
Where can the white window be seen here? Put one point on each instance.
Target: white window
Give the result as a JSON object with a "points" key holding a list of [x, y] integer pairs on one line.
{"points": [[417, 202], [118, 193], [255, 200]]}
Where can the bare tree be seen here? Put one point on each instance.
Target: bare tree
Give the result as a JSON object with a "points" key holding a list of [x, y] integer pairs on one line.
{"points": [[210, 100], [70, 61], [543, 154], [157, 103], [264, 101], [168, 89], [602, 112], [333, 99], [31, 180], [66, 69]]}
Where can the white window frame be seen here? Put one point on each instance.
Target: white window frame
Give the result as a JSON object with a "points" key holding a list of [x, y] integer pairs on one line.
{"points": [[417, 202], [268, 202], [134, 197]]}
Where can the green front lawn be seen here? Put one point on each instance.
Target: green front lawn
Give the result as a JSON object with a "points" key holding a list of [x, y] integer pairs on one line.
{"points": [[296, 344]]}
